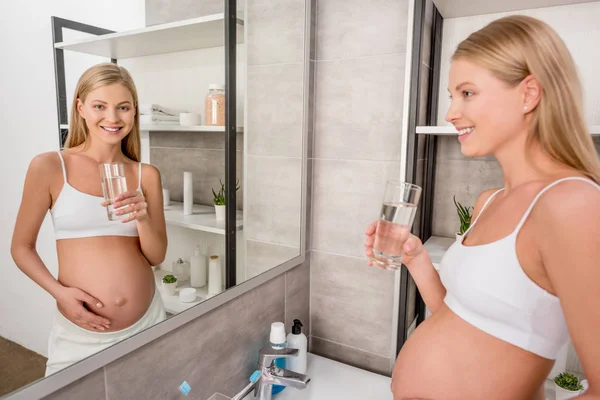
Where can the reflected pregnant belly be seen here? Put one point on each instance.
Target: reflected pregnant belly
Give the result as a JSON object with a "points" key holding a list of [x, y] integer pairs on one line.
{"points": [[448, 358], [111, 269]]}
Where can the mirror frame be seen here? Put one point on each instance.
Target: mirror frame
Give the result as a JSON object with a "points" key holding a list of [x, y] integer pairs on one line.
{"points": [[48, 385]]}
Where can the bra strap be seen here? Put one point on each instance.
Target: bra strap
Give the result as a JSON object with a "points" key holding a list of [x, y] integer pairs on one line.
{"points": [[64, 170], [489, 199], [535, 199], [140, 177]]}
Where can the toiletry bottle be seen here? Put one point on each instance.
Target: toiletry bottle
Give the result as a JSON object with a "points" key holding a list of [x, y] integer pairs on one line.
{"points": [[198, 268], [297, 340], [277, 339]]}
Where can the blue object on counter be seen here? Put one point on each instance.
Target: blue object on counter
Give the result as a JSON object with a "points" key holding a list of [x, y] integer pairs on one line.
{"points": [[185, 388], [255, 375]]}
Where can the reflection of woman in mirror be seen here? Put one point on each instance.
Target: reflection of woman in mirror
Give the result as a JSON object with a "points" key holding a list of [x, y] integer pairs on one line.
{"points": [[105, 290], [526, 274]]}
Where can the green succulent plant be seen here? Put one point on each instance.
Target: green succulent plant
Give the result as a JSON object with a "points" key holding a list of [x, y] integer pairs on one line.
{"points": [[464, 215], [219, 197], [568, 381], [169, 279]]}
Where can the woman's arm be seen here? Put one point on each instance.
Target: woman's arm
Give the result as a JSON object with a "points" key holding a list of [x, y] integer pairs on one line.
{"points": [[567, 218], [35, 203], [149, 215]]}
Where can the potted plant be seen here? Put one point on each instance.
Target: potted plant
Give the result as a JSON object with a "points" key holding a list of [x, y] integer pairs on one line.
{"points": [[567, 386], [169, 283], [464, 215], [219, 200]]}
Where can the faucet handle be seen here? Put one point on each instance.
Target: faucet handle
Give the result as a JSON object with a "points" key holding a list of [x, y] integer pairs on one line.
{"points": [[267, 355]]}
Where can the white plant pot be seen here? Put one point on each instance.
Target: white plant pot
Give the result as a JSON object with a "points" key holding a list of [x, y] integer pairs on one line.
{"points": [[169, 288], [220, 212], [563, 394], [458, 236]]}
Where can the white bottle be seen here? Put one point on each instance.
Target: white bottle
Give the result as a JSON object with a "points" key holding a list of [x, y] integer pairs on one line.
{"points": [[188, 193], [297, 340], [198, 268], [215, 280]]}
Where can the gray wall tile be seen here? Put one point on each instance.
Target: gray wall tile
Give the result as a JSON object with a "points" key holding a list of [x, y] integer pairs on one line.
{"points": [[275, 110], [261, 256], [275, 32], [347, 198], [354, 29], [297, 296], [423, 94], [312, 75], [466, 179], [193, 140], [90, 387], [214, 353], [358, 111], [274, 197], [351, 303], [351, 356], [309, 202], [207, 166], [163, 11]]}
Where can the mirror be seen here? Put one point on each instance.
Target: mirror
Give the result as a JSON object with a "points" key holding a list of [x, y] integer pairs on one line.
{"points": [[175, 55]]}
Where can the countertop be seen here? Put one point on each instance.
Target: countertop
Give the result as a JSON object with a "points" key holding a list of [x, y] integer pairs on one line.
{"points": [[330, 379]]}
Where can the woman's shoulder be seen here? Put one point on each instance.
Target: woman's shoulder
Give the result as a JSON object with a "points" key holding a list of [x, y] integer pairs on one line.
{"points": [[49, 160], [569, 197]]}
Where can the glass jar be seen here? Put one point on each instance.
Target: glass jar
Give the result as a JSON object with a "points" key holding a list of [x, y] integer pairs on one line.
{"points": [[214, 112]]}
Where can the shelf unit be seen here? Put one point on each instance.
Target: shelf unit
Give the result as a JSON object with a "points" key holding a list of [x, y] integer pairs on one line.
{"points": [[191, 34], [203, 218], [179, 128], [449, 130]]}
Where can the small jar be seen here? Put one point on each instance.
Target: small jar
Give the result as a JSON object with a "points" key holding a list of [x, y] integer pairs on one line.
{"points": [[181, 269], [214, 111]]}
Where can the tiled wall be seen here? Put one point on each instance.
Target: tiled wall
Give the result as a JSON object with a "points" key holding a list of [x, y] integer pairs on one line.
{"points": [[359, 90], [202, 154], [214, 353]]}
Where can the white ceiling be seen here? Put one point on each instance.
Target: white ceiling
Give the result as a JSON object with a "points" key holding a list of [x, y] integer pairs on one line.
{"points": [[464, 8]]}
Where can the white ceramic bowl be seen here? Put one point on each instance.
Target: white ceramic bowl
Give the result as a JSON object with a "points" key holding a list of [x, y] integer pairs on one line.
{"points": [[187, 295], [190, 119]]}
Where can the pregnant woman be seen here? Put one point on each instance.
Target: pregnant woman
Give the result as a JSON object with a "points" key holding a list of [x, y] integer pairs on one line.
{"points": [[526, 275], [105, 291]]}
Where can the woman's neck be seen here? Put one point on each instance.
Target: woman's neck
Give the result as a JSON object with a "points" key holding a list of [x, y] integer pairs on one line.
{"points": [[103, 153], [522, 163]]}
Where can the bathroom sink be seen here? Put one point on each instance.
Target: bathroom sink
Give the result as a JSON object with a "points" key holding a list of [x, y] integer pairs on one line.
{"points": [[333, 380]]}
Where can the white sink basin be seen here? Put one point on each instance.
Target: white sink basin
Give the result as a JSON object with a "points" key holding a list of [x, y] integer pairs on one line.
{"points": [[333, 380]]}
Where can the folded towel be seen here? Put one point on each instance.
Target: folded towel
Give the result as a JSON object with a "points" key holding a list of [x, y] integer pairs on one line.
{"points": [[157, 109], [158, 119]]}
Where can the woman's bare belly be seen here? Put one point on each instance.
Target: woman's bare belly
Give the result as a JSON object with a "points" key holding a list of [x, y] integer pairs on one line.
{"points": [[448, 358], [111, 269]]}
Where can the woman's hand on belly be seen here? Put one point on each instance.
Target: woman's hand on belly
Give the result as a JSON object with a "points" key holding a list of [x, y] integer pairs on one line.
{"points": [[71, 304]]}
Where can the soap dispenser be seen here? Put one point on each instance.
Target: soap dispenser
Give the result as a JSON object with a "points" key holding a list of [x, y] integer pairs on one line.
{"points": [[297, 340]]}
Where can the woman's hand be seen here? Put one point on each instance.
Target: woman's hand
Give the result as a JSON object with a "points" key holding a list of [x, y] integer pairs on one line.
{"points": [[411, 249], [71, 304], [135, 203]]}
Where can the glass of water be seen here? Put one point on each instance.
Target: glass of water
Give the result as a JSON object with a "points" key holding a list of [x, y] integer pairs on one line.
{"points": [[113, 184], [395, 222]]}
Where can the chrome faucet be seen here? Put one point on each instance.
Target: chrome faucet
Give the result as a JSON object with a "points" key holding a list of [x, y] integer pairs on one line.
{"points": [[270, 375]]}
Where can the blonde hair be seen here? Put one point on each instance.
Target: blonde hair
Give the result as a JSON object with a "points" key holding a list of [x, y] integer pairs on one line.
{"points": [[517, 46], [97, 76]]}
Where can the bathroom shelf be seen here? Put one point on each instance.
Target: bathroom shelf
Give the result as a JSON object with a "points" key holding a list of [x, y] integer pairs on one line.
{"points": [[172, 303], [202, 219], [436, 247], [448, 130], [457, 9], [191, 34], [179, 128]]}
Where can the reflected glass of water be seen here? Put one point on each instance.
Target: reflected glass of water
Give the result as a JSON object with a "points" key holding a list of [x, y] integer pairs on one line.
{"points": [[113, 184], [395, 222]]}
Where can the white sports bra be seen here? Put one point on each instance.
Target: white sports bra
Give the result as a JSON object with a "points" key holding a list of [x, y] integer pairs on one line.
{"points": [[486, 286], [78, 215]]}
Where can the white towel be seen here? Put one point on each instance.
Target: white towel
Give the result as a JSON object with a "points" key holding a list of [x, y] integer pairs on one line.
{"points": [[159, 120], [157, 109]]}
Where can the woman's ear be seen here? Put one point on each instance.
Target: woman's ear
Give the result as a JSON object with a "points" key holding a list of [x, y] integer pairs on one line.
{"points": [[80, 108], [532, 93]]}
